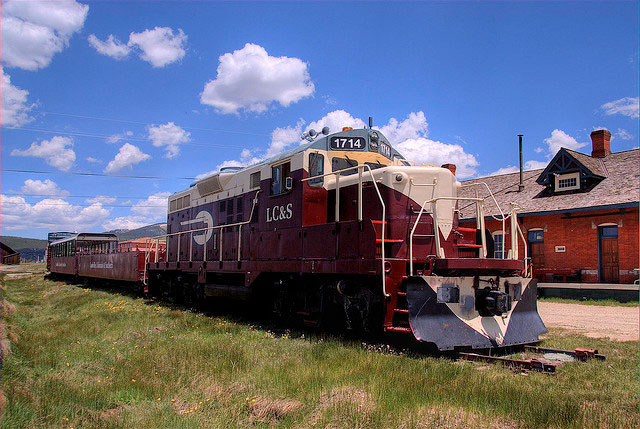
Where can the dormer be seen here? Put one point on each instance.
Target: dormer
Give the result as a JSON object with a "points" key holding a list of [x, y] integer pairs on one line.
{"points": [[570, 172]]}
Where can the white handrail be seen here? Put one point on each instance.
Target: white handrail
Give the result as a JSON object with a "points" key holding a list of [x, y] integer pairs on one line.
{"points": [[436, 234], [221, 227], [360, 168]]}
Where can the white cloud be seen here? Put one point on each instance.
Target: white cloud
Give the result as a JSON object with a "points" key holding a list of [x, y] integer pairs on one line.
{"points": [[336, 120], [160, 46], [115, 138], [56, 152], [247, 157], [51, 213], [426, 151], [251, 80], [14, 110], [627, 106], [414, 127], [47, 188], [127, 156], [32, 32], [111, 47], [169, 135], [93, 160], [535, 165], [561, 139], [539, 150], [102, 199], [126, 222], [529, 165], [623, 134], [153, 208], [284, 136]]}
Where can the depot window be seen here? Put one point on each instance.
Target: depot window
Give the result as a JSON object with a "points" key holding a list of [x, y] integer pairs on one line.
{"points": [[279, 175], [567, 182], [498, 250], [535, 236]]}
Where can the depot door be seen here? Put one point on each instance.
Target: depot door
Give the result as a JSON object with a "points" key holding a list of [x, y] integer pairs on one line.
{"points": [[535, 240], [609, 260]]}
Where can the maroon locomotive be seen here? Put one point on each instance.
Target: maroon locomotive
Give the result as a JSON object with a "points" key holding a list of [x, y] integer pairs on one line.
{"points": [[343, 232]]}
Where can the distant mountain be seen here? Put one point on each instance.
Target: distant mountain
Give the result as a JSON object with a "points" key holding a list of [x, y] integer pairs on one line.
{"points": [[145, 231], [17, 243]]}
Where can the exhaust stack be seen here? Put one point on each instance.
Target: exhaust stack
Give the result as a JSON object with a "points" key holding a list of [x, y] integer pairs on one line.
{"points": [[521, 185]]}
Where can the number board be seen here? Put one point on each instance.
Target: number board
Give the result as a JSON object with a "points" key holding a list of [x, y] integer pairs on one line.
{"points": [[385, 150], [348, 143]]}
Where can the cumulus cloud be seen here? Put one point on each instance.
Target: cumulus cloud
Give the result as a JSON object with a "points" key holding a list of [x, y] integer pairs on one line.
{"points": [[170, 136], [127, 156], [14, 110], [529, 165], [160, 46], [32, 32], [414, 127], [627, 106], [93, 160], [56, 152], [251, 79], [623, 134], [102, 199], [50, 213], [115, 138], [47, 188], [283, 137], [561, 139], [154, 207], [336, 120], [112, 47], [426, 151], [126, 222]]}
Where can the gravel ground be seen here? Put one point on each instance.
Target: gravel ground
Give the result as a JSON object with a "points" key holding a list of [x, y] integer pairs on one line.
{"points": [[616, 323]]}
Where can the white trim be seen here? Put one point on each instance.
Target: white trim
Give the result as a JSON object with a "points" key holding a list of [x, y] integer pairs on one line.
{"points": [[566, 176]]}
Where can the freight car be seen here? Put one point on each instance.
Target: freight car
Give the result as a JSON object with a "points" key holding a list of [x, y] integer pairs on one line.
{"points": [[343, 232]]}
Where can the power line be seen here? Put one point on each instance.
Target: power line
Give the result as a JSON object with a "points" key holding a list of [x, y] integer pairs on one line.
{"points": [[71, 173], [24, 194], [100, 136], [16, 203], [99, 118]]}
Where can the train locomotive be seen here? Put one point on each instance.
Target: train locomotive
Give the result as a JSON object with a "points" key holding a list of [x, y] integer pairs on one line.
{"points": [[341, 232]]}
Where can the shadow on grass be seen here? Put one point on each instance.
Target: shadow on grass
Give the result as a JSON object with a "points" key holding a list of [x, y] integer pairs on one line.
{"points": [[250, 314]]}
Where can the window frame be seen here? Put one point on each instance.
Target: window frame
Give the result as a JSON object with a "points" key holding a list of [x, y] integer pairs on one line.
{"points": [[567, 176]]}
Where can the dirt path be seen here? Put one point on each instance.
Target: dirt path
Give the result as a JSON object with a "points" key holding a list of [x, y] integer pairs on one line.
{"points": [[616, 323]]}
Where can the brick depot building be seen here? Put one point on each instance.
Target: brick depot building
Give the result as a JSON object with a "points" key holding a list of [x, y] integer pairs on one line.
{"points": [[579, 215]]}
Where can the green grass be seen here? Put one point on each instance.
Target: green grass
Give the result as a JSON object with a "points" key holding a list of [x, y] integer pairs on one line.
{"points": [[609, 302], [92, 358]]}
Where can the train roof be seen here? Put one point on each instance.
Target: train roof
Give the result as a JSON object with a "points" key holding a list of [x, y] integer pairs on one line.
{"points": [[320, 143], [88, 236]]}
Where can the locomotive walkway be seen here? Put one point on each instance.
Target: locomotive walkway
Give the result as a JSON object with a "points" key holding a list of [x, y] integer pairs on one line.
{"points": [[616, 323]]}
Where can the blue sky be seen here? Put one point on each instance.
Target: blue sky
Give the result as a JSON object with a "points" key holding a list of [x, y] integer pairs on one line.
{"points": [[178, 89]]}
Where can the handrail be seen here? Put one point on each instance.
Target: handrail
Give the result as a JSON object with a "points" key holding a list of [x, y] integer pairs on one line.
{"points": [[360, 169], [191, 231], [436, 231], [503, 218]]}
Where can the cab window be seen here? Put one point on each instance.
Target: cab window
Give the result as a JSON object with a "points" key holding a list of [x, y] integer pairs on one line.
{"points": [[316, 168], [342, 163], [279, 174]]}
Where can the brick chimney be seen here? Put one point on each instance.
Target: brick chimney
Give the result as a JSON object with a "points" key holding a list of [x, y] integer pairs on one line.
{"points": [[601, 143], [450, 167]]}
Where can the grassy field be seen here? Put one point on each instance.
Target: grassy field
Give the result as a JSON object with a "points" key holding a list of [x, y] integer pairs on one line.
{"points": [[607, 302], [95, 358]]}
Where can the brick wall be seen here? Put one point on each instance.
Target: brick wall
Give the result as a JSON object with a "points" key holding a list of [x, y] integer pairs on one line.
{"points": [[578, 233]]}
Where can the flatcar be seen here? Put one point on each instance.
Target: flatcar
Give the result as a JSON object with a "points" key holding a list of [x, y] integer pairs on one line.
{"points": [[343, 232]]}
